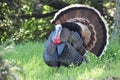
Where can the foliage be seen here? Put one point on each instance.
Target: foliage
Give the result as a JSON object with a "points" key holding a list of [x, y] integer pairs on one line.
{"points": [[8, 70], [16, 24], [19, 28], [33, 30], [30, 57], [9, 23], [113, 51]]}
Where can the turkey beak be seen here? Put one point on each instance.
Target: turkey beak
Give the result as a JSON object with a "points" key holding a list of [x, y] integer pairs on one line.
{"points": [[58, 29]]}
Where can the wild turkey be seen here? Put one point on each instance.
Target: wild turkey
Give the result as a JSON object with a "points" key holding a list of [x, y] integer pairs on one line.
{"points": [[78, 28]]}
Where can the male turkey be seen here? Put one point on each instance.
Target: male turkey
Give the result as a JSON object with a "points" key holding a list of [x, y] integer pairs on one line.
{"points": [[78, 28]]}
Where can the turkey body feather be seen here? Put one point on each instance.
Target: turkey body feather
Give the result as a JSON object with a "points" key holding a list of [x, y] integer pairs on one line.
{"points": [[79, 28], [65, 53]]}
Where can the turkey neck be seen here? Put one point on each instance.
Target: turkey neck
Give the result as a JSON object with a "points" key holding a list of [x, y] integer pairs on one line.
{"points": [[58, 29]]}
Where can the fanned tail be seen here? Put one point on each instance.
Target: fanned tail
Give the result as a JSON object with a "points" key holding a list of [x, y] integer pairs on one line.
{"points": [[94, 30]]}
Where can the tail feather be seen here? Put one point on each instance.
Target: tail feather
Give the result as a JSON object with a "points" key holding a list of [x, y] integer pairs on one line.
{"points": [[99, 31]]}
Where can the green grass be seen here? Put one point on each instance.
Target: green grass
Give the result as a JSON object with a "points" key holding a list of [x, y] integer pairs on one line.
{"points": [[30, 57]]}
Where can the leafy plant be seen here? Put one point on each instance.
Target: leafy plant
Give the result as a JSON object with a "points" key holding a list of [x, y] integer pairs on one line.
{"points": [[8, 71], [22, 20], [30, 57]]}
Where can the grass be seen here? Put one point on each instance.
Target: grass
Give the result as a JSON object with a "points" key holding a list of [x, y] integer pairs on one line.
{"points": [[30, 57]]}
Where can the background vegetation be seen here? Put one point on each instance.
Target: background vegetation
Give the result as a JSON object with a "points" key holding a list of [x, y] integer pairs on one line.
{"points": [[30, 57], [24, 27], [24, 20]]}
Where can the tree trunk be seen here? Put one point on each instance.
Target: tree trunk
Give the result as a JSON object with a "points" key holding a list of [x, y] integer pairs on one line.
{"points": [[116, 31]]}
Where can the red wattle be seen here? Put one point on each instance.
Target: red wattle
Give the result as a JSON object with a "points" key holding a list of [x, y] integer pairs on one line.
{"points": [[56, 40]]}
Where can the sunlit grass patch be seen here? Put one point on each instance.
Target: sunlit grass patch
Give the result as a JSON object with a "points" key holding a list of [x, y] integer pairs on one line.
{"points": [[30, 57]]}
